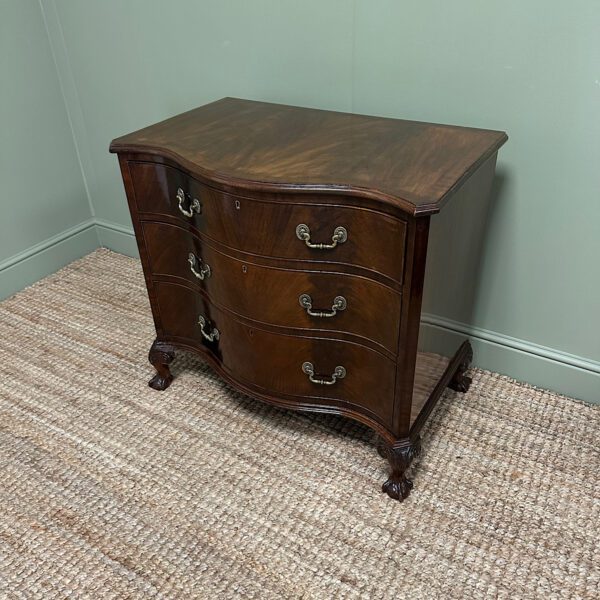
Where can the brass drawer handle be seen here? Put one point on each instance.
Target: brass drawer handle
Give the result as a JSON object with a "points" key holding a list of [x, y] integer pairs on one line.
{"points": [[339, 303], [204, 268], [194, 204], [211, 336], [340, 235], [338, 373]]}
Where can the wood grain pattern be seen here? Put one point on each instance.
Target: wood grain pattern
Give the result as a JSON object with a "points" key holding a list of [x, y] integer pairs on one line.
{"points": [[249, 174], [256, 145], [375, 241], [271, 294], [273, 363]]}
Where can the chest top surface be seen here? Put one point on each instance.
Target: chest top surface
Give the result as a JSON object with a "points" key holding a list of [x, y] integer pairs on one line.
{"points": [[412, 165]]}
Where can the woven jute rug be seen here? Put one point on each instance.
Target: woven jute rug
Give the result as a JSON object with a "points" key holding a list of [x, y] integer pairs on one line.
{"points": [[109, 489]]}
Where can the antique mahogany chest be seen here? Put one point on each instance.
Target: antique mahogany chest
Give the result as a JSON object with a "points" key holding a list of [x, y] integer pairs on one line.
{"points": [[287, 246]]}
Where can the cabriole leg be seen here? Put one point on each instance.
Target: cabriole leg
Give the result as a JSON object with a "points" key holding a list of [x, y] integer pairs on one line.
{"points": [[398, 486], [161, 355]]}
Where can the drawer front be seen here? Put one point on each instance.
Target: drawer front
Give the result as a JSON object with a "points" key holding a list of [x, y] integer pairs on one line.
{"points": [[274, 362], [340, 302], [372, 240]]}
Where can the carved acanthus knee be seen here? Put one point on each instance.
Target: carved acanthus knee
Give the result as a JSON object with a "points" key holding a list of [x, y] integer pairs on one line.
{"points": [[398, 486]]}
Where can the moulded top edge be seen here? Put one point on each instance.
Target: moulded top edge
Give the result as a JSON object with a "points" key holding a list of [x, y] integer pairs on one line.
{"points": [[413, 166]]}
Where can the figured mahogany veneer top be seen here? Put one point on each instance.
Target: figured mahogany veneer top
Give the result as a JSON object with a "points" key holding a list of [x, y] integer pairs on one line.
{"points": [[273, 147]]}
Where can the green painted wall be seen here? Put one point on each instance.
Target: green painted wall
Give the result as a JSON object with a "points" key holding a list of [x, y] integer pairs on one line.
{"points": [[530, 68], [46, 217]]}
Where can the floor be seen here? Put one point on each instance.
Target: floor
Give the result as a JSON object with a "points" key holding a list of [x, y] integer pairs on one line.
{"points": [[109, 489]]}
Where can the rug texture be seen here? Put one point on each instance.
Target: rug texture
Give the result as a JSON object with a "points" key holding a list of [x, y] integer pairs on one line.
{"points": [[109, 489]]}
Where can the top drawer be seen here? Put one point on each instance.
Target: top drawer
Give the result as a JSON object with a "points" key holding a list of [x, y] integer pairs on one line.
{"points": [[370, 240]]}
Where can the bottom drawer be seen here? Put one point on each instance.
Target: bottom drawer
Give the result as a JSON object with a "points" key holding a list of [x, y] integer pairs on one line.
{"points": [[275, 363]]}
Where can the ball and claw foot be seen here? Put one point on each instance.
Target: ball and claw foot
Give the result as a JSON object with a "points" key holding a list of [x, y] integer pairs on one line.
{"points": [[460, 382], [398, 486], [398, 489], [161, 355]]}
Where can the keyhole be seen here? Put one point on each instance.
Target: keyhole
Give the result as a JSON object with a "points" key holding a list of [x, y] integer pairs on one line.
{"points": [[244, 269], [237, 204]]}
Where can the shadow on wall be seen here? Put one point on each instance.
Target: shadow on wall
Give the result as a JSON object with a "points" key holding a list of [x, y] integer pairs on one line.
{"points": [[494, 203], [454, 260]]}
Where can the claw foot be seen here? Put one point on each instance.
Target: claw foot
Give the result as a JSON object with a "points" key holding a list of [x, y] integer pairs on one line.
{"points": [[160, 383], [161, 355], [398, 489], [398, 486], [460, 382]]}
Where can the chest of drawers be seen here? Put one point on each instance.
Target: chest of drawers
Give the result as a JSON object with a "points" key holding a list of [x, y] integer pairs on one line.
{"points": [[287, 246]]}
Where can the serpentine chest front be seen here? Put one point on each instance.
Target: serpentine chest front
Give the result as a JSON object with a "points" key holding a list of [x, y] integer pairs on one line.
{"points": [[287, 246]]}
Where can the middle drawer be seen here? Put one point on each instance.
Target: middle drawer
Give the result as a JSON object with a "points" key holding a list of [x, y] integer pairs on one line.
{"points": [[297, 299]]}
